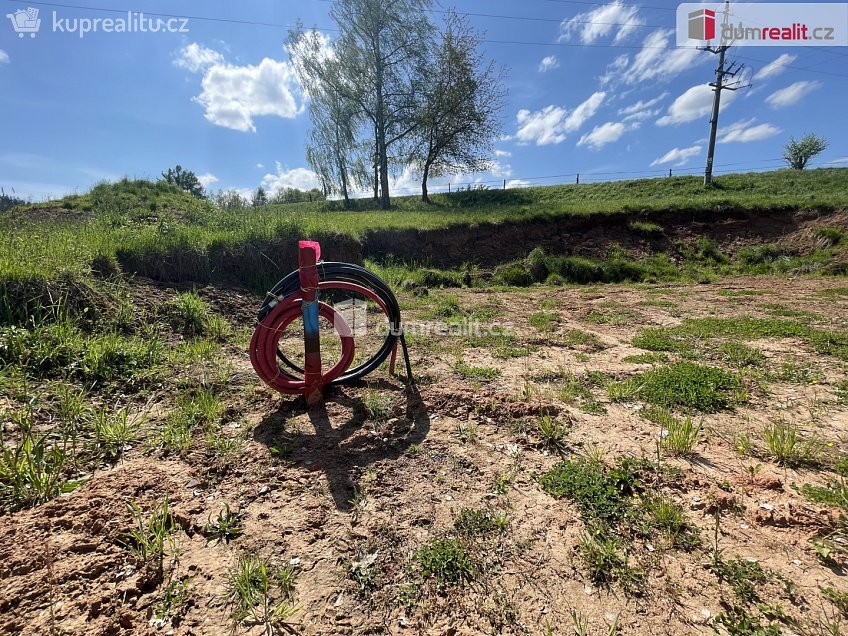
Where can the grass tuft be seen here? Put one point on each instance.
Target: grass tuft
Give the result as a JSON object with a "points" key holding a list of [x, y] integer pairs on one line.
{"points": [[260, 593], [447, 560], [683, 384]]}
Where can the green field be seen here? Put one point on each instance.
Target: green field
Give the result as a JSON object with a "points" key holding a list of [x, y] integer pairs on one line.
{"points": [[147, 221]]}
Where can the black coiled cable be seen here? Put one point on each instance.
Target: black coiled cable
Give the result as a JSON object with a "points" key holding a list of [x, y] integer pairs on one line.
{"points": [[346, 272]]}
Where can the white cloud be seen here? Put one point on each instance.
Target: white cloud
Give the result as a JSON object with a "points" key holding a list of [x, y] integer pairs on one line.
{"points": [[601, 21], [551, 124], [501, 170], [678, 156], [260, 165], [744, 131], [835, 161], [503, 153], [602, 135], [694, 103], [196, 57], [642, 110], [543, 126], [658, 60], [517, 183], [776, 67], [300, 178], [640, 105], [4, 57], [584, 111], [792, 94], [615, 69], [548, 63], [207, 179], [234, 95]]}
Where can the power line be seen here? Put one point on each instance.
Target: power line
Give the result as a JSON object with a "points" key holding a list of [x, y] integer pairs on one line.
{"points": [[489, 41], [603, 4]]}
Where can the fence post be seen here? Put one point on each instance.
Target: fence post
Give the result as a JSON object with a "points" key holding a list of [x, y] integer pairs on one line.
{"points": [[504, 184], [449, 187], [578, 178], [669, 172]]}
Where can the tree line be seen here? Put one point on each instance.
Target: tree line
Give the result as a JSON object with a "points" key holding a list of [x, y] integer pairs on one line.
{"points": [[395, 92]]}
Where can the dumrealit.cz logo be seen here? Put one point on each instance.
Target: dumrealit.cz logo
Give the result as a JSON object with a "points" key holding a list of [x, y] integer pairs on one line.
{"points": [[702, 24], [763, 24], [27, 22]]}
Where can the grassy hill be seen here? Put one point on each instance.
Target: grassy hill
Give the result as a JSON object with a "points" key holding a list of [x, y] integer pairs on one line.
{"points": [[156, 230]]}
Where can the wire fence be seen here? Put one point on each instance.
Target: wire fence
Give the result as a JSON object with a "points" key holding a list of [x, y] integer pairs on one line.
{"points": [[576, 178]]}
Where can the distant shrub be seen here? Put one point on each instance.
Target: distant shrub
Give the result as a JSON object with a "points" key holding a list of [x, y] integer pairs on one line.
{"points": [[514, 275], [536, 265], [440, 278], [762, 254], [619, 270], [576, 269], [648, 229]]}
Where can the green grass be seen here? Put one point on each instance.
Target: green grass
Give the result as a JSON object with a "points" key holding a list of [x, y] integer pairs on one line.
{"points": [[669, 519], [833, 293], [648, 229], [150, 535], [614, 316], [841, 391], [788, 447], [839, 600], [834, 494], [552, 432], [601, 493], [472, 372], [225, 527], [544, 321], [583, 339], [378, 406], [61, 348], [745, 328], [157, 231], [259, 592], [646, 358], [31, 471], [114, 431], [682, 384], [175, 597], [605, 559], [743, 576], [678, 435], [471, 522], [739, 355], [446, 560], [446, 306]]}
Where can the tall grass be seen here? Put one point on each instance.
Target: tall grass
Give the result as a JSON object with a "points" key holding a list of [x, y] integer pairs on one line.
{"points": [[165, 234]]}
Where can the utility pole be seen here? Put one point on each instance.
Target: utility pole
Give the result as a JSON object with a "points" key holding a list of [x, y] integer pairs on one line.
{"points": [[719, 85]]}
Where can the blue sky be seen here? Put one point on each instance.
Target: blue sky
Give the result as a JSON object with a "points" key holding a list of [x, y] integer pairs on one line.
{"points": [[584, 96]]}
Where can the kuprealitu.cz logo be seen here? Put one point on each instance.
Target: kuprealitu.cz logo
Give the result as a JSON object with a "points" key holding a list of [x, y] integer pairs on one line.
{"points": [[27, 22], [763, 24]]}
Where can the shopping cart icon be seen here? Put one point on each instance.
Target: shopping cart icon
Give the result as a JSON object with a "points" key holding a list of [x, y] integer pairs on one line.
{"points": [[25, 21]]}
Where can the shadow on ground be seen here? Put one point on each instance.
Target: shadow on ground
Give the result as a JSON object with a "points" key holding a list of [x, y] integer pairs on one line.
{"points": [[344, 442]]}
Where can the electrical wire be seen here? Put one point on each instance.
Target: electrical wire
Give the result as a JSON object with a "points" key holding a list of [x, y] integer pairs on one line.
{"points": [[486, 40], [282, 307]]}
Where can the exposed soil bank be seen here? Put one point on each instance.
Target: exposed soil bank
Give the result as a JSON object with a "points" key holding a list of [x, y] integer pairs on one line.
{"points": [[255, 264], [491, 244]]}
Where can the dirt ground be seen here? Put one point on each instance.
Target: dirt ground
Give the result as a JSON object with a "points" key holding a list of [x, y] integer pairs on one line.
{"points": [[327, 487]]}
